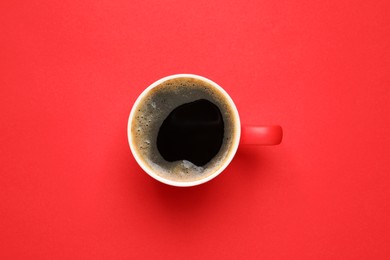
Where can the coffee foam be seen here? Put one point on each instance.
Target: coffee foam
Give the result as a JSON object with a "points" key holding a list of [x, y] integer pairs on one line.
{"points": [[155, 107]]}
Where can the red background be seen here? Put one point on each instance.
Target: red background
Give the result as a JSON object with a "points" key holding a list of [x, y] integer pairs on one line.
{"points": [[71, 70]]}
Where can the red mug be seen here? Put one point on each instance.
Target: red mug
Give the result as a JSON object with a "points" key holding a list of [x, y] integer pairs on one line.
{"points": [[184, 173]]}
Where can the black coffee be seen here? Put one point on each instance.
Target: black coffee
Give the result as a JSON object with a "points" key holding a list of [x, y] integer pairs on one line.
{"points": [[183, 129], [192, 132]]}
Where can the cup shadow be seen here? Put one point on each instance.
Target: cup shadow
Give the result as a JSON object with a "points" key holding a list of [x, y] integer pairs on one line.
{"points": [[245, 169], [182, 199], [250, 160]]}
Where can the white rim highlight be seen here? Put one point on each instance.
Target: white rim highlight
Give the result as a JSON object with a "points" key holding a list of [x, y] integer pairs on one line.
{"points": [[227, 160]]}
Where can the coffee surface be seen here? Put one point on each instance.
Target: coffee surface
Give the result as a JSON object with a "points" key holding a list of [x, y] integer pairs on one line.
{"points": [[174, 154], [193, 132]]}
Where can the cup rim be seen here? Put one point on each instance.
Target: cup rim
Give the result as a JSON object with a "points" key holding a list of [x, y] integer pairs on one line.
{"points": [[228, 159]]}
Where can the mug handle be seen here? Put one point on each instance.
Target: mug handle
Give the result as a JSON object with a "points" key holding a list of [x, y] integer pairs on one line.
{"points": [[261, 135]]}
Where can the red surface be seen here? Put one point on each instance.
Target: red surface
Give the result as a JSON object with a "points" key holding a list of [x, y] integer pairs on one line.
{"points": [[70, 71]]}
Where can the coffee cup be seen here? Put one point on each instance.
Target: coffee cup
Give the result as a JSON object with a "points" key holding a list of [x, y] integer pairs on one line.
{"points": [[184, 130]]}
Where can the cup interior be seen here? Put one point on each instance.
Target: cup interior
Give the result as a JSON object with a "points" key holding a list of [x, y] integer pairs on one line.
{"points": [[232, 149]]}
